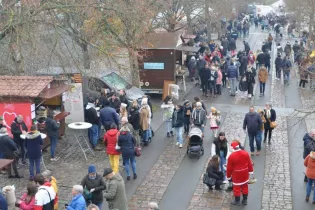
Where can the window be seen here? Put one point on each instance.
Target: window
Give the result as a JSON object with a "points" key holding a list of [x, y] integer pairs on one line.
{"points": [[115, 81], [95, 84]]}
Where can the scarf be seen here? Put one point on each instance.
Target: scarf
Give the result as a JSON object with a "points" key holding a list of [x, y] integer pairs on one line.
{"points": [[268, 114]]}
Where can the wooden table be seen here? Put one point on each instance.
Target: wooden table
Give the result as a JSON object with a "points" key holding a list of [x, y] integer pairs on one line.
{"points": [[5, 162]]}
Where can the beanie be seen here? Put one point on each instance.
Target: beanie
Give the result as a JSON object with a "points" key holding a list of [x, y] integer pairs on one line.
{"points": [[92, 169]]}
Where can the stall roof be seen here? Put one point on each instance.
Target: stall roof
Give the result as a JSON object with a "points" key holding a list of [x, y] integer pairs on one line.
{"points": [[188, 49], [161, 41], [53, 92], [23, 86]]}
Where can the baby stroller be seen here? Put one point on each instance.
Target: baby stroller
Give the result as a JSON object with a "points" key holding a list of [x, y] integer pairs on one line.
{"points": [[195, 142]]}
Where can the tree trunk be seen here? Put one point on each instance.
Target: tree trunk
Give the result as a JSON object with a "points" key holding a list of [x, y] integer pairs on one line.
{"points": [[134, 70], [207, 19], [86, 56], [15, 52]]}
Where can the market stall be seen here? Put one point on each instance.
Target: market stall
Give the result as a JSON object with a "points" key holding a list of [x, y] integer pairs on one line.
{"points": [[25, 95], [163, 61]]}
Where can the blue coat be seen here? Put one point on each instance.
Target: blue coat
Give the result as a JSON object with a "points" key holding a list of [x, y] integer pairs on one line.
{"points": [[33, 143], [3, 202], [109, 116], [127, 144], [77, 203], [232, 71]]}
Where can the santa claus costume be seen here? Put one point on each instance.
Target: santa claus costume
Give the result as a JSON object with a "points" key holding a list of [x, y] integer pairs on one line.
{"points": [[239, 166]]}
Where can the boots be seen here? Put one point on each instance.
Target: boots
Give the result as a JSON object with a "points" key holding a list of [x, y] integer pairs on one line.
{"points": [[244, 201], [236, 202]]}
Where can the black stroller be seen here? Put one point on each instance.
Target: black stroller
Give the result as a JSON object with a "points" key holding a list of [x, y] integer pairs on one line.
{"points": [[195, 147]]}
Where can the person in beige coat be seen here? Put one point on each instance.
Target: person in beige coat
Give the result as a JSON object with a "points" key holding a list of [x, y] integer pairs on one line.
{"points": [[145, 118], [263, 77]]}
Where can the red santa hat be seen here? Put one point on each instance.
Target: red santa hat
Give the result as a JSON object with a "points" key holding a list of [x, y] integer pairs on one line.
{"points": [[235, 145]]}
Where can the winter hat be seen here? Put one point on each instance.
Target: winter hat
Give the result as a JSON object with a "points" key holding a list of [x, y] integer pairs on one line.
{"points": [[107, 171], [123, 105], [235, 145], [198, 104], [124, 119], [92, 169], [144, 101]]}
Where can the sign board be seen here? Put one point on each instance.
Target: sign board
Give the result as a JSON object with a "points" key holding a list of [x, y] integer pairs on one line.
{"points": [[10, 111], [73, 103], [155, 66]]}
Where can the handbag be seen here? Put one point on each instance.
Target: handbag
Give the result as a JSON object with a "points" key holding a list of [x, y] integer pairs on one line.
{"points": [[138, 151], [207, 180], [273, 124], [117, 147], [218, 122]]}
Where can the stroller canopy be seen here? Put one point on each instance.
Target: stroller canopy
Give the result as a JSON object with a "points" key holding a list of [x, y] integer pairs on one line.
{"points": [[195, 131]]}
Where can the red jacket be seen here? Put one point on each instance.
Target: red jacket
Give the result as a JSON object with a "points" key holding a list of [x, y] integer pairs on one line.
{"points": [[27, 205], [239, 166], [309, 163], [110, 139]]}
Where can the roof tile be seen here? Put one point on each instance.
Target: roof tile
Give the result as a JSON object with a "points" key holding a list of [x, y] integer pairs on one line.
{"points": [[23, 86]]}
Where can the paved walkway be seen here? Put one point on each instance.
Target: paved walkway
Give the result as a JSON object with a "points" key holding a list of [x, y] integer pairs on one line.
{"points": [[277, 182]]}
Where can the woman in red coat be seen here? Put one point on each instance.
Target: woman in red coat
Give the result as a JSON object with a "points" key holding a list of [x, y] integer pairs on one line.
{"points": [[239, 166], [110, 140]]}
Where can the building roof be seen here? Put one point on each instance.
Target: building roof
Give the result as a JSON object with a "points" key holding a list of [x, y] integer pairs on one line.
{"points": [[23, 86], [161, 41]]}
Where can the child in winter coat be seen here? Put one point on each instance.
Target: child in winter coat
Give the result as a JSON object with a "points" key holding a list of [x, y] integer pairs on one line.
{"points": [[215, 118], [27, 202]]}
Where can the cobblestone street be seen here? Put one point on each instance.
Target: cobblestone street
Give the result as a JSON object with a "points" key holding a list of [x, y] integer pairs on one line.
{"points": [[215, 200], [277, 182]]}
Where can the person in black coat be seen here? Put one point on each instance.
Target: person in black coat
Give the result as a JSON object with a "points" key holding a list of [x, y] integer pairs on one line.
{"points": [[134, 120], [244, 63], [178, 124], [92, 117], [123, 98], [114, 102], [270, 116], [232, 45], [33, 143], [94, 184], [221, 149], [250, 79], [278, 64], [187, 113], [18, 127], [260, 59], [52, 127], [204, 74], [127, 146], [267, 60], [8, 150], [214, 173]]}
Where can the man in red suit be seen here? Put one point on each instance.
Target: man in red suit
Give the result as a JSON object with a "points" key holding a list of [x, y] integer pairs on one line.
{"points": [[239, 166]]}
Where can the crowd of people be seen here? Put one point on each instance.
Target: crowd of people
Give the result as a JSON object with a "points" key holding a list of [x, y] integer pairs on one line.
{"points": [[127, 124]]}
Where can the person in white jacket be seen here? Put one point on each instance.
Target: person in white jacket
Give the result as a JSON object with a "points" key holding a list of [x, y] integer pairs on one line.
{"points": [[168, 108]]}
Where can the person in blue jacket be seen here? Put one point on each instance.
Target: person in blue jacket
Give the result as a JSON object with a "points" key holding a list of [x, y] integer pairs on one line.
{"points": [[108, 116], [78, 201], [3, 202], [33, 143]]}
